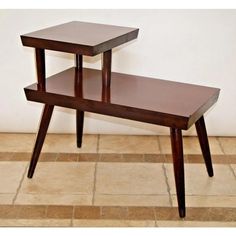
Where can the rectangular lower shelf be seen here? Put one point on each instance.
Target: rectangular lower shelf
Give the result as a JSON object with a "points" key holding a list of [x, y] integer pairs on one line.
{"points": [[133, 97]]}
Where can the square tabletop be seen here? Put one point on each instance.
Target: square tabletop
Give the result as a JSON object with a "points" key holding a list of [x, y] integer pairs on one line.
{"points": [[80, 37]]}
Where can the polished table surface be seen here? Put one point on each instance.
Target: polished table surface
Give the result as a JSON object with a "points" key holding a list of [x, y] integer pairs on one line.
{"points": [[183, 101], [80, 37]]}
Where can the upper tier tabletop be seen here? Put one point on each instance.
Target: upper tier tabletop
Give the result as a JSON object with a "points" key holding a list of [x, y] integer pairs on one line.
{"points": [[80, 37], [140, 98]]}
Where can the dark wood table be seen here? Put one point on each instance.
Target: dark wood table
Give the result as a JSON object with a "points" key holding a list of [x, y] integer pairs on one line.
{"points": [[161, 102]]}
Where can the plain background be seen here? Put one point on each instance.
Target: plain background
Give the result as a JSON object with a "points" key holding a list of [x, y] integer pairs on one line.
{"points": [[193, 46]]}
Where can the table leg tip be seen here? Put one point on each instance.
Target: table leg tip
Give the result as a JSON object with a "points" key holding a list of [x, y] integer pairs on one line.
{"points": [[30, 175], [182, 213], [210, 173]]}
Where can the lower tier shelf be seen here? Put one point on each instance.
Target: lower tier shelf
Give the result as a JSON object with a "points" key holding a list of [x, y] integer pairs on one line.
{"points": [[155, 101]]}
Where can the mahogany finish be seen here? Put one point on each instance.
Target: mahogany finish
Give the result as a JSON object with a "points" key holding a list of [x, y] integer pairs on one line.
{"points": [[79, 127], [80, 37], [40, 67], [78, 92], [202, 136], [167, 103], [79, 61], [155, 101], [178, 161], [106, 69], [45, 120]]}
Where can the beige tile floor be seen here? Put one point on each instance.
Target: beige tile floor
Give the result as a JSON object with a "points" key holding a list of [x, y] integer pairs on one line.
{"points": [[100, 180]]}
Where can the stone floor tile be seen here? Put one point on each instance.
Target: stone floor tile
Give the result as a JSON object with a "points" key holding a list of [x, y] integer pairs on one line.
{"points": [[32, 212], [183, 223], [111, 157], [87, 212], [21, 156], [128, 144], [10, 176], [166, 213], [6, 156], [190, 145], [228, 144], [141, 213], [9, 211], [197, 181], [130, 178], [113, 223], [60, 212], [113, 212], [6, 198], [233, 166], [66, 143], [11, 142], [60, 178], [54, 199], [35, 222], [66, 157], [207, 201], [131, 200]]}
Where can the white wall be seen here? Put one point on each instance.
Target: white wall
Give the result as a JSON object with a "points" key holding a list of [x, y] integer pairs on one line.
{"points": [[195, 46]]}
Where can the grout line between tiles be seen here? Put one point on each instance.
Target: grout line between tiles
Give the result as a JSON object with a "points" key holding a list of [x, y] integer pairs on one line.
{"points": [[21, 181], [94, 182], [155, 216], [57, 155], [159, 144], [167, 184], [221, 147], [72, 217], [131, 194], [232, 170], [46, 212], [98, 140], [122, 156], [95, 171]]}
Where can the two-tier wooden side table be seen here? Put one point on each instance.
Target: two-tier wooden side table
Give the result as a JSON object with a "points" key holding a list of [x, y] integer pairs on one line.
{"points": [[172, 104]]}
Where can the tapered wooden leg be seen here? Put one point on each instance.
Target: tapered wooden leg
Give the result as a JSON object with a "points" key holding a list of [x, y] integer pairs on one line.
{"points": [[106, 69], [79, 92], [178, 161], [202, 136], [40, 67], [79, 127], [45, 120]]}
